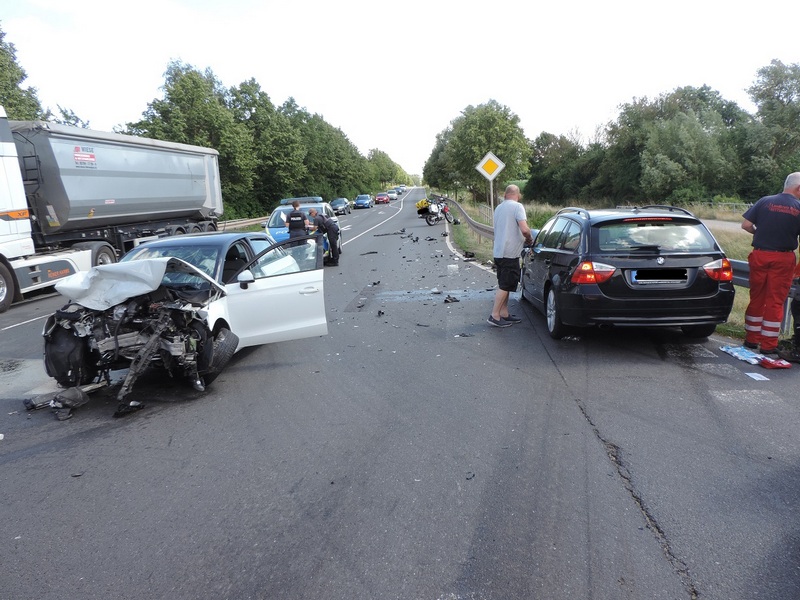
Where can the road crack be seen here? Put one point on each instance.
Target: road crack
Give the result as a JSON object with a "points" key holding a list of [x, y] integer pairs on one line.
{"points": [[614, 453]]}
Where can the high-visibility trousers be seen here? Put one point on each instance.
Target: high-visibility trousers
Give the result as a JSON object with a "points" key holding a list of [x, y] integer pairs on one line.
{"points": [[770, 279]]}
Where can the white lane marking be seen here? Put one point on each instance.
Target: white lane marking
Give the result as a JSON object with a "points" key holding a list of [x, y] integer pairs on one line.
{"points": [[24, 322], [386, 220]]}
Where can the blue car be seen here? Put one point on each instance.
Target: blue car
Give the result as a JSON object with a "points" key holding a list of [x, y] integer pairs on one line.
{"points": [[364, 201], [276, 225]]}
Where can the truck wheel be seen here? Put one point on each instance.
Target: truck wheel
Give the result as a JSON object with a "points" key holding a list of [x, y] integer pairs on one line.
{"points": [[102, 252], [6, 288]]}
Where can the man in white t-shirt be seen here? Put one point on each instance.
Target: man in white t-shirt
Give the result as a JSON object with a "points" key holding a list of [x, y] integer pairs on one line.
{"points": [[511, 233]]}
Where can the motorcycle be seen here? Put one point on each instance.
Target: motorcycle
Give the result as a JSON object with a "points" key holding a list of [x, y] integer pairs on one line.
{"points": [[134, 315], [438, 210]]}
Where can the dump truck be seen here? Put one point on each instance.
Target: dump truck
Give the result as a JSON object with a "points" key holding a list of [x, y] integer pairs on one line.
{"points": [[73, 198]]}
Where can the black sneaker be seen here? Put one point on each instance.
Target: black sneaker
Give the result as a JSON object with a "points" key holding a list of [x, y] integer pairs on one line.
{"points": [[512, 319], [751, 345], [498, 322]]}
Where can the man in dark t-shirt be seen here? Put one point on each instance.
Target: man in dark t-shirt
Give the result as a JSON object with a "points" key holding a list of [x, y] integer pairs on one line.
{"points": [[774, 222], [296, 221]]}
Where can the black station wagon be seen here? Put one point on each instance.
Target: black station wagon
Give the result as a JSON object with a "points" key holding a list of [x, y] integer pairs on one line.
{"points": [[644, 266]]}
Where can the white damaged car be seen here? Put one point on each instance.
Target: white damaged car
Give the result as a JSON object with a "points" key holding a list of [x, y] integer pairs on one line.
{"points": [[157, 309]]}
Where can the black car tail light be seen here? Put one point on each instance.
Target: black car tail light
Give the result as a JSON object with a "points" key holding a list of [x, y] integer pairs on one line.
{"points": [[719, 270], [592, 272]]}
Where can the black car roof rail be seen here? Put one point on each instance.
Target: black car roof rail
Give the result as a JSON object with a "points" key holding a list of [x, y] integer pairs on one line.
{"points": [[665, 207], [574, 209]]}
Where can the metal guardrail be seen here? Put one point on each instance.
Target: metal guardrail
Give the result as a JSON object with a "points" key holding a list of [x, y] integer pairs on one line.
{"points": [[239, 223]]}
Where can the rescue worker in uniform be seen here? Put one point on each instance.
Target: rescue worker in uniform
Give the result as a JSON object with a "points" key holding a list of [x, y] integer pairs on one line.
{"points": [[774, 222], [297, 222]]}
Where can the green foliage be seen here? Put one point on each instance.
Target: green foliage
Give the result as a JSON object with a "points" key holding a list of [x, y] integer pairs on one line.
{"points": [[21, 104], [776, 93], [719, 199], [68, 117], [265, 152], [488, 127], [684, 146]]}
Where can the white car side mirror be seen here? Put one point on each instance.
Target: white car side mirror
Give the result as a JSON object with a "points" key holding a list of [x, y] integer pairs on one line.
{"points": [[245, 278]]}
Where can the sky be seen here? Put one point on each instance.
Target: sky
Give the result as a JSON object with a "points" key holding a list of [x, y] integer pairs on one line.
{"points": [[393, 75]]}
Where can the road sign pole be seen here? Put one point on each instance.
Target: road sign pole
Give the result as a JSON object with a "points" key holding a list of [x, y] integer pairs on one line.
{"points": [[491, 198]]}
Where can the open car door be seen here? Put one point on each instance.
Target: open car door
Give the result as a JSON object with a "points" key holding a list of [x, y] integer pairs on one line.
{"points": [[279, 295]]}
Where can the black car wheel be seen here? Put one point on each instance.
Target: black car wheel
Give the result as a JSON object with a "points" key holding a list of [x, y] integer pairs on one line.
{"points": [[555, 327], [225, 343], [68, 359], [698, 331]]}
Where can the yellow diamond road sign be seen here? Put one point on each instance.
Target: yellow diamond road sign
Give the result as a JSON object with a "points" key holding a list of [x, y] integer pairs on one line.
{"points": [[490, 166]]}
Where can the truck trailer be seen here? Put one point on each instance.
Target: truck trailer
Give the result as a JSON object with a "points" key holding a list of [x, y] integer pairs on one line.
{"points": [[73, 198]]}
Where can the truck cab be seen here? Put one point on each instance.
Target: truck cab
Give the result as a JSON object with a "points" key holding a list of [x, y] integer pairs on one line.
{"points": [[21, 269]]}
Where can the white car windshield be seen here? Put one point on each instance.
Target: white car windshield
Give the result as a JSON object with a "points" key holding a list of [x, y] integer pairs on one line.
{"points": [[202, 257]]}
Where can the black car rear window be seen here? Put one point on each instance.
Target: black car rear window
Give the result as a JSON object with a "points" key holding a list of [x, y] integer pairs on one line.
{"points": [[644, 233]]}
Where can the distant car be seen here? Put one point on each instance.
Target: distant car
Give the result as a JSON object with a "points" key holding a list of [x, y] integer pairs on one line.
{"points": [[364, 201], [382, 198], [392, 194], [341, 206], [403, 187], [399, 190], [650, 266], [276, 225]]}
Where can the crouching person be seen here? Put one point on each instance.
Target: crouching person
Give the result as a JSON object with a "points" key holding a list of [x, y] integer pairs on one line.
{"points": [[323, 225]]}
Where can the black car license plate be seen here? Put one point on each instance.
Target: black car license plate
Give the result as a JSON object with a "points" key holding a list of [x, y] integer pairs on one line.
{"points": [[659, 276]]}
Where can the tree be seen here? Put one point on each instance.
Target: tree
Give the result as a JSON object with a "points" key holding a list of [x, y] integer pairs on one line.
{"points": [[194, 111], [685, 159], [489, 127], [438, 171], [68, 117], [20, 103], [776, 94], [553, 166], [278, 145], [383, 168]]}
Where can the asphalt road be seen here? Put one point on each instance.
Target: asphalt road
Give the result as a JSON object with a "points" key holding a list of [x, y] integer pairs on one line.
{"points": [[413, 453]]}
